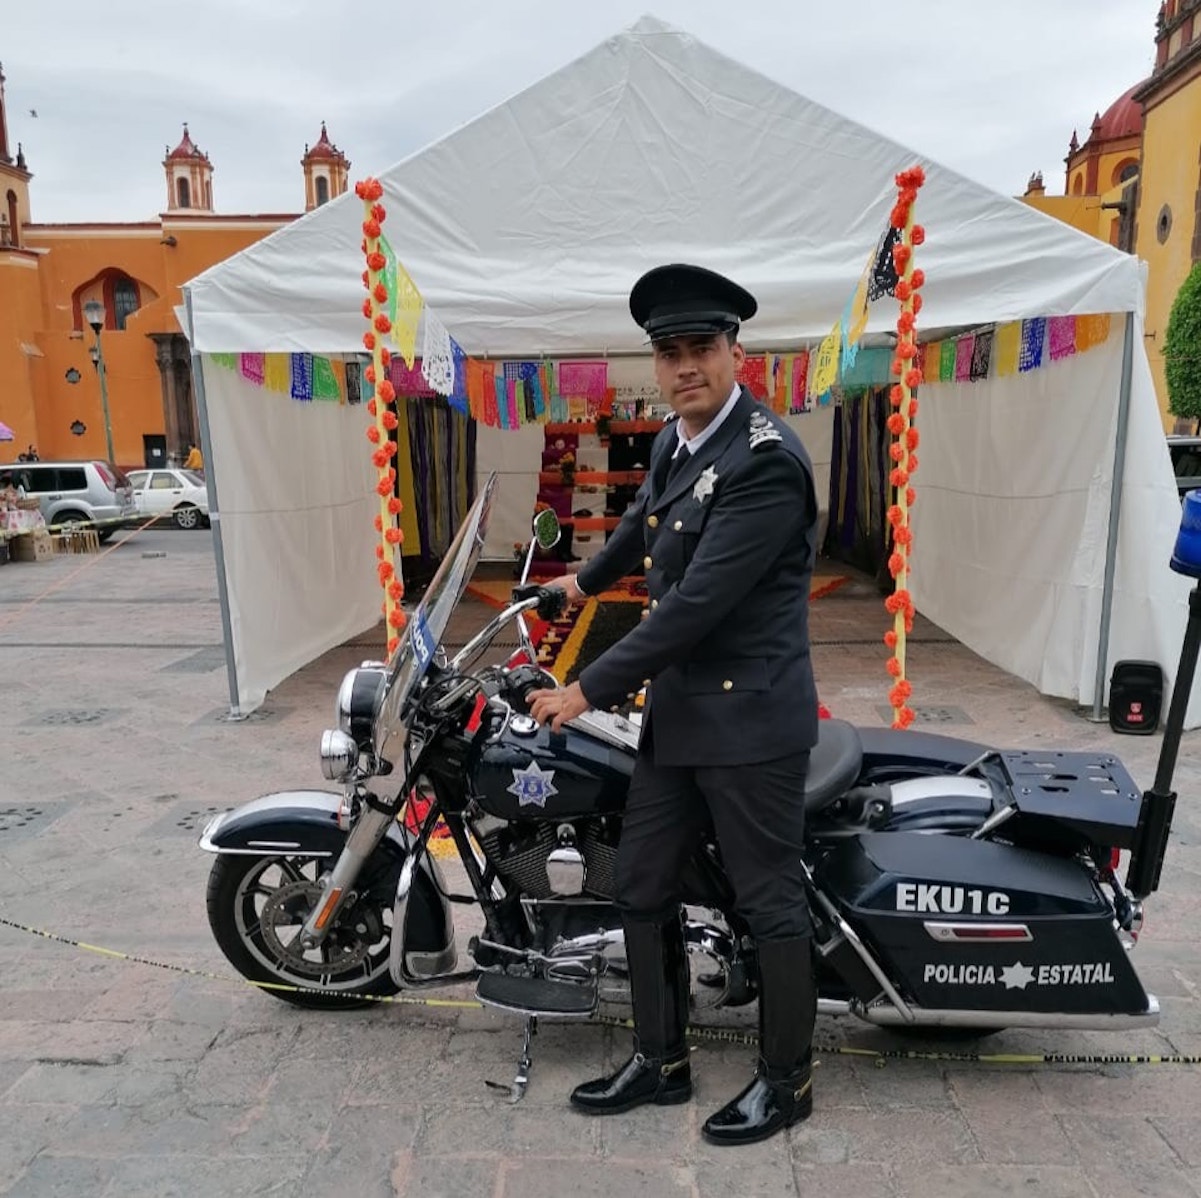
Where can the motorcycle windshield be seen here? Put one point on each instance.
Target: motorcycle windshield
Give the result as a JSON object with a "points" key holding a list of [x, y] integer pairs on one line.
{"points": [[428, 623]]}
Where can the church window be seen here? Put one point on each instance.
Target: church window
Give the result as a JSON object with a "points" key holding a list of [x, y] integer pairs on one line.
{"points": [[1163, 224], [14, 226], [125, 301], [208, 194], [322, 190], [1125, 172], [183, 192], [1078, 185]]}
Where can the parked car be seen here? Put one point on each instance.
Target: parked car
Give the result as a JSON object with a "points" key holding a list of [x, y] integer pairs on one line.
{"points": [[1186, 462], [78, 493], [178, 493]]}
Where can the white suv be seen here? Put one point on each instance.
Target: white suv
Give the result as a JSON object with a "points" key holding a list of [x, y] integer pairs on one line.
{"points": [[91, 493], [181, 494]]}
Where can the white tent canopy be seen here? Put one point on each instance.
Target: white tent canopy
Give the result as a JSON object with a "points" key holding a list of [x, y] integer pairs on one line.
{"points": [[524, 231]]}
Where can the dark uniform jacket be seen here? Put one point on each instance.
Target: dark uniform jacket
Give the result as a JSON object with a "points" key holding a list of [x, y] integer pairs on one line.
{"points": [[728, 547]]}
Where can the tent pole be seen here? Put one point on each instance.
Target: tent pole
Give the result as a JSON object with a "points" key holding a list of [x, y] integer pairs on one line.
{"points": [[210, 481], [1115, 513]]}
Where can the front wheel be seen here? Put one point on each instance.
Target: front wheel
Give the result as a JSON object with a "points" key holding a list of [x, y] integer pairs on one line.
{"points": [[257, 907]]}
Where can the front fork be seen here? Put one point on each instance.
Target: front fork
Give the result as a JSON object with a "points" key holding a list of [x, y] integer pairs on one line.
{"points": [[369, 829]]}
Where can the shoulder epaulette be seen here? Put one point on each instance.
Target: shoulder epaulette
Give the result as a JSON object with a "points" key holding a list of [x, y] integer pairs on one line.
{"points": [[761, 432]]}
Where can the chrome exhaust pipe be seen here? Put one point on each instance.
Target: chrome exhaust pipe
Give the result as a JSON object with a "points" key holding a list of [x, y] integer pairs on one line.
{"points": [[885, 1016]]}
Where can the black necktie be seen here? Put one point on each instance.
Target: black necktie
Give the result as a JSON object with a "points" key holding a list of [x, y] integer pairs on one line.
{"points": [[677, 464]]}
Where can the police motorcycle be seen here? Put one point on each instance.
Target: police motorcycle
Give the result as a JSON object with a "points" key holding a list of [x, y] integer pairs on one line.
{"points": [[954, 888]]}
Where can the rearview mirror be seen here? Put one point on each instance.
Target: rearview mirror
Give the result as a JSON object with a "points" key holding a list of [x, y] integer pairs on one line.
{"points": [[546, 529]]}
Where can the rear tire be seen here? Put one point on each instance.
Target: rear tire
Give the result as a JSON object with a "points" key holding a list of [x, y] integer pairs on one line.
{"points": [[256, 904], [186, 517]]}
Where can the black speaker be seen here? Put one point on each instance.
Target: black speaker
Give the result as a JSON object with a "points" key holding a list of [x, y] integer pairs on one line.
{"points": [[1135, 697]]}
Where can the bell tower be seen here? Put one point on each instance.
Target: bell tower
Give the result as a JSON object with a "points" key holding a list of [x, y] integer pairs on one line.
{"points": [[325, 172], [14, 183], [189, 177]]}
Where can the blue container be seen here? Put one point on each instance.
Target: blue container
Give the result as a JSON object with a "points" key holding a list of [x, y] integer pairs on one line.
{"points": [[1186, 559]]}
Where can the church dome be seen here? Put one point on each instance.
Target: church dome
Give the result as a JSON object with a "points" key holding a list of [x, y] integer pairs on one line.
{"points": [[1123, 118]]}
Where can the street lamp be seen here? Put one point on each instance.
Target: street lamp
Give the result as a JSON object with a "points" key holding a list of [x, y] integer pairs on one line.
{"points": [[93, 313]]}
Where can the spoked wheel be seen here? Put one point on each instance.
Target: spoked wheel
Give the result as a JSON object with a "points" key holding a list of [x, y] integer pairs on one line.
{"points": [[257, 907], [186, 517]]}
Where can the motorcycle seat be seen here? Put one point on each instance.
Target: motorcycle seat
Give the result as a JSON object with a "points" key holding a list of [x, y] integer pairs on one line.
{"points": [[834, 764]]}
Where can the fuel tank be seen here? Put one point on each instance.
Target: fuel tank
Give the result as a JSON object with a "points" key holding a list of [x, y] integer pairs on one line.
{"points": [[532, 773]]}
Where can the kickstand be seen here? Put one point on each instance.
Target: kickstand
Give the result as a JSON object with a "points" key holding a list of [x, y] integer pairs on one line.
{"points": [[516, 1089]]}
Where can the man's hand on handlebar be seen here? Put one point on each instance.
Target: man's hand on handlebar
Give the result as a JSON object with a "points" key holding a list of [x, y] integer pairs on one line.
{"points": [[556, 707]]}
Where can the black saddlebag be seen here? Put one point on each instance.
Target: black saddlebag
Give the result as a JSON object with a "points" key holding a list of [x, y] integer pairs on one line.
{"points": [[967, 924]]}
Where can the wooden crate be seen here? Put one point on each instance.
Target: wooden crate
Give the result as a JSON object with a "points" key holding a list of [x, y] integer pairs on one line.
{"points": [[77, 540]]}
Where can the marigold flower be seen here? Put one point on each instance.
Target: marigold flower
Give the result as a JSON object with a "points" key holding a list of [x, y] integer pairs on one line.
{"points": [[386, 569], [369, 189], [906, 350], [379, 524], [390, 421], [367, 308], [896, 424], [394, 536], [371, 406], [382, 324], [913, 378], [917, 234], [903, 291], [366, 280], [369, 340], [912, 409], [384, 486], [905, 323], [386, 391], [396, 618], [373, 434], [918, 279], [893, 604], [385, 356], [890, 639], [898, 477], [379, 552], [380, 293], [912, 437], [912, 463], [897, 366], [896, 563], [376, 261], [905, 717], [903, 535], [380, 458], [895, 516], [396, 591], [910, 496], [379, 212], [899, 216], [395, 506], [393, 644], [896, 395], [896, 452], [917, 304], [893, 666], [900, 256], [371, 229]]}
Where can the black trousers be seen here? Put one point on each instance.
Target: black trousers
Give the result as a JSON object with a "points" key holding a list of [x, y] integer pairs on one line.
{"points": [[758, 812]]}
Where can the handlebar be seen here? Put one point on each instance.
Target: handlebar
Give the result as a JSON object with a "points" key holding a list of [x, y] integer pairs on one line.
{"points": [[552, 601]]}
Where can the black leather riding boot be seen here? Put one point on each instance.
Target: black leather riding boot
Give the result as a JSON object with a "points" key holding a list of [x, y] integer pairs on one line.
{"points": [[781, 1092], [658, 1071]]}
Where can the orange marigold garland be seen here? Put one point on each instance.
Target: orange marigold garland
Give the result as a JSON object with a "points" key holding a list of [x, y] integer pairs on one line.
{"points": [[905, 438], [381, 406]]}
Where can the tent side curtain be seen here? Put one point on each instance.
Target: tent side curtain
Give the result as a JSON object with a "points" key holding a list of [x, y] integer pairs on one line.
{"points": [[1012, 512], [297, 501]]}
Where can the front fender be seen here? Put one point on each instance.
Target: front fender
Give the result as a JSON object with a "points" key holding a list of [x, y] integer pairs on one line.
{"points": [[304, 823]]}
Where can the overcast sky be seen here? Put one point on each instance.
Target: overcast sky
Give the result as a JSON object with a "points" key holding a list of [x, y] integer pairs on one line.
{"points": [[990, 89]]}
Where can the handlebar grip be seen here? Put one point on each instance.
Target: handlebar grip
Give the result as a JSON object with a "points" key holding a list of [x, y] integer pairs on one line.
{"points": [[551, 600]]}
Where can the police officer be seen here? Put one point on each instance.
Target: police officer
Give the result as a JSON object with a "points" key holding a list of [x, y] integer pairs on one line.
{"points": [[725, 526]]}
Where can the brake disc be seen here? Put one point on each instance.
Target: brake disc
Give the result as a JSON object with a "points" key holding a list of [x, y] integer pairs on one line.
{"points": [[343, 949]]}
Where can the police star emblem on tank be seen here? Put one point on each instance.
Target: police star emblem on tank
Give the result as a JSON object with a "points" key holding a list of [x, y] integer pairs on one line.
{"points": [[533, 786]]}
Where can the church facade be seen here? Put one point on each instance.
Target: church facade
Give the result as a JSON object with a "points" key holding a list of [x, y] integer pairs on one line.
{"points": [[50, 392], [1136, 180]]}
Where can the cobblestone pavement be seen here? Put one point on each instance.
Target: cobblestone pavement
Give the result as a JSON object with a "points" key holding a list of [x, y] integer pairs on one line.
{"points": [[120, 1079]]}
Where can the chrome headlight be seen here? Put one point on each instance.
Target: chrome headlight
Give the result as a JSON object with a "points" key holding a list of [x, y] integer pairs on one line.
{"points": [[339, 755], [358, 701]]}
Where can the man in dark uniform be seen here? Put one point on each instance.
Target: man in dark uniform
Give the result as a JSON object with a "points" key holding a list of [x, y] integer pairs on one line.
{"points": [[724, 526]]}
